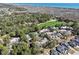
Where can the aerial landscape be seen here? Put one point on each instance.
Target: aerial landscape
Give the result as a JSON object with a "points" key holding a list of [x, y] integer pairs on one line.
{"points": [[39, 29]]}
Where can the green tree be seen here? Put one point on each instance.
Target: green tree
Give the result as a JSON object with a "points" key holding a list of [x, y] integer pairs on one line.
{"points": [[76, 27], [3, 50], [21, 48], [35, 49], [6, 39]]}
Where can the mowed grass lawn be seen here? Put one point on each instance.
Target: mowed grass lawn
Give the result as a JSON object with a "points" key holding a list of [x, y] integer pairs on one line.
{"points": [[51, 23]]}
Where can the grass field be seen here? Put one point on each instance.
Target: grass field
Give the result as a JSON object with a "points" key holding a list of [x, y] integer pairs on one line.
{"points": [[50, 23]]}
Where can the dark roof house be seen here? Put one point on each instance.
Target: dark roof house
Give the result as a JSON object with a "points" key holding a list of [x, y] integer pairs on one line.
{"points": [[54, 52], [72, 43], [62, 49]]}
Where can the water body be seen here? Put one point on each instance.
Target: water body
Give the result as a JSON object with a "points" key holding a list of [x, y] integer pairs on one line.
{"points": [[61, 5]]}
